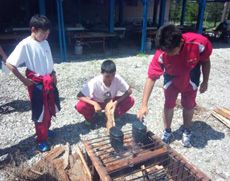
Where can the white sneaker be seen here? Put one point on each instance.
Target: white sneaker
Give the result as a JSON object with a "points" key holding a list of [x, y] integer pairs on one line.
{"points": [[186, 139], [167, 137]]}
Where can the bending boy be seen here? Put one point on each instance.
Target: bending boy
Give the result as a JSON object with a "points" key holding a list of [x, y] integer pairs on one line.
{"points": [[178, 58]]}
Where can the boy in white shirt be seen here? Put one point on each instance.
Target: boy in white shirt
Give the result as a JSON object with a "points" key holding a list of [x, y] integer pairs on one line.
{"points": [[101, 89], [34, 51]]}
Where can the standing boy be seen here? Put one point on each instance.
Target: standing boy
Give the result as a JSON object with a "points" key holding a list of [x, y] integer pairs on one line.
{"points": [[178, 58], [103, 88], [34, 51]]}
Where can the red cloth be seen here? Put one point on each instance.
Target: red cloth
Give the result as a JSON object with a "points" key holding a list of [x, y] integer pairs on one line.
{"points": [[88, 111], [180, 66], [48, 99]]}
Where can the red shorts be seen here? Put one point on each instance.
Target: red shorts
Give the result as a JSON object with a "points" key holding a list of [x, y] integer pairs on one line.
{"points": [[188, 97]]}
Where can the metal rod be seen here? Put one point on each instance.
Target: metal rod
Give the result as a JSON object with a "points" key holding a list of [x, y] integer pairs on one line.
{"points": [[144, 151], [133, 153]]}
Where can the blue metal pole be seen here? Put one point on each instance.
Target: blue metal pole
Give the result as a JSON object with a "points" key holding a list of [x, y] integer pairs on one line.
{"points": [[183, 12], [111, 15], [42, 7], [162, 13], [155, 8], [63, 32], [144, 26], [59, 29], [202, 5]]}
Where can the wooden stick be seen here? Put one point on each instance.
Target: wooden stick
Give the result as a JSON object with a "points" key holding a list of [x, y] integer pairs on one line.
{"points": [[226, 110], [222, 112], [97, 163], [36, 172], [141, 157], [109, 114], [54, 153], [66, 156], [222, 119], [86, 168]]}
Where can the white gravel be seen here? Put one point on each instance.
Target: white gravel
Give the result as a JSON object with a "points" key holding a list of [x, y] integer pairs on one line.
{"points": [[210, 151]]}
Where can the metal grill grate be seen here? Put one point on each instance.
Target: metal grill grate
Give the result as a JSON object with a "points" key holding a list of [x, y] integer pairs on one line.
{"points": [[150, 161]]}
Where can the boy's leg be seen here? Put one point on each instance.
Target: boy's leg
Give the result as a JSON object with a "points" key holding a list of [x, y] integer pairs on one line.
{"points": [[188, 101], [124, 106], [43, 127], [167, 117], [85, 109], [41, 132], [171, 94]]}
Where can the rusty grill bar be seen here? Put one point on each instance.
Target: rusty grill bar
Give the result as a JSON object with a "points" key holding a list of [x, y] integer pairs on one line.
{"points": [[150, 161]]}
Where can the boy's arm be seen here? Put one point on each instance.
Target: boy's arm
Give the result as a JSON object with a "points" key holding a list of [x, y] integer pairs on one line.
{"points": [[3, 54], [125, 95], [54, 77], [24, 80], [155, 70], [149, 84], [206, 66], [88, 100]]}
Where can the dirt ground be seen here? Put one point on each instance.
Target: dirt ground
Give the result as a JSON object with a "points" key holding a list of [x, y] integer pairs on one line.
{"points": [[210, 151]]}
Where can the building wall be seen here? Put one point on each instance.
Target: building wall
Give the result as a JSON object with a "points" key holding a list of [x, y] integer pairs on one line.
{"points": [[135, 13]]}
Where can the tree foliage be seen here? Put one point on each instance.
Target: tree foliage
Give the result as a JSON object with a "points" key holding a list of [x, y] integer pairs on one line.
{"points": [[212, 14]]}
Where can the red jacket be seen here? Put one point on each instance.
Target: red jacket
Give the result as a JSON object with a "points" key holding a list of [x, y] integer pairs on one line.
{"points": [[184, 67]]}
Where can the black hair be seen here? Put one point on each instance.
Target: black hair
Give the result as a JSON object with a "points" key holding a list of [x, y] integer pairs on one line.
{"points": [[108, 66], [168, 37], [40, 22]]}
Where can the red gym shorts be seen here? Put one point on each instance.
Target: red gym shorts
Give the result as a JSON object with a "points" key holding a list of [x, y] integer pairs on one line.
{"points": [[188, 97]]}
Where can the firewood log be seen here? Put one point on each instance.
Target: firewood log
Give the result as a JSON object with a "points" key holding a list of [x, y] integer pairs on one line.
{"points": [[109, 114]]}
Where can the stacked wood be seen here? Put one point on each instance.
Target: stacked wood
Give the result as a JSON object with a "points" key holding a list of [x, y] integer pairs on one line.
{"points": [[223, 115], [60, 164], [109, 114]]}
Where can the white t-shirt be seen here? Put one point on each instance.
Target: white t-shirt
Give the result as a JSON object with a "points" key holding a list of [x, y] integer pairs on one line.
{"points": [[98, 91], [36, 56]]}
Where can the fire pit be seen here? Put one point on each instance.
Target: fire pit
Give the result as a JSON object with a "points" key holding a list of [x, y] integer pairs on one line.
{"points": [[152, 160]]}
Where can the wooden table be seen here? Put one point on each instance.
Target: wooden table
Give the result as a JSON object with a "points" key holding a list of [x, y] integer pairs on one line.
{"points": [[12, 37], [93, 37]]}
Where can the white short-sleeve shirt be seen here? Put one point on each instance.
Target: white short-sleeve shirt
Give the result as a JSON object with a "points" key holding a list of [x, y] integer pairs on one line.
{"points": [[36, 56], [98, 91]]}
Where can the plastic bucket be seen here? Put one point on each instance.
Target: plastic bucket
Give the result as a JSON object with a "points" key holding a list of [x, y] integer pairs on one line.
{"points": [[148, 44], [78, 49]]}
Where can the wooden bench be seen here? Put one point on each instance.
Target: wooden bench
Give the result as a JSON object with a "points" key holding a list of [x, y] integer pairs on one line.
{"points": [[93, 37]]}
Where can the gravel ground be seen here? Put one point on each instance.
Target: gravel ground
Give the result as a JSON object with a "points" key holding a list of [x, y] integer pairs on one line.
{"points": [[211, 138]]}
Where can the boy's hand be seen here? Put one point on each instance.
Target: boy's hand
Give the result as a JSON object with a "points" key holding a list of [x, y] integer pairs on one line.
{"points": [[97, 107], [114, 105], [54, 79], [142, 112], [203, 87], [28, 82]]}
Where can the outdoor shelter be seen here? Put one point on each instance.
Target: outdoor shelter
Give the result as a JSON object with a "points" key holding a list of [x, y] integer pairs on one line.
{"points": [[153, 14]]}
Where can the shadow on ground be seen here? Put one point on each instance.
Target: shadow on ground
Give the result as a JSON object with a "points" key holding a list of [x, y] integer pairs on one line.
{"points": [[15, 106], [202, 133], [68, 133]]}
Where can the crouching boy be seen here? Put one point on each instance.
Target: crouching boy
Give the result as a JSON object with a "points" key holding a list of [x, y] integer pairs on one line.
{"points": [[103, 88]]}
